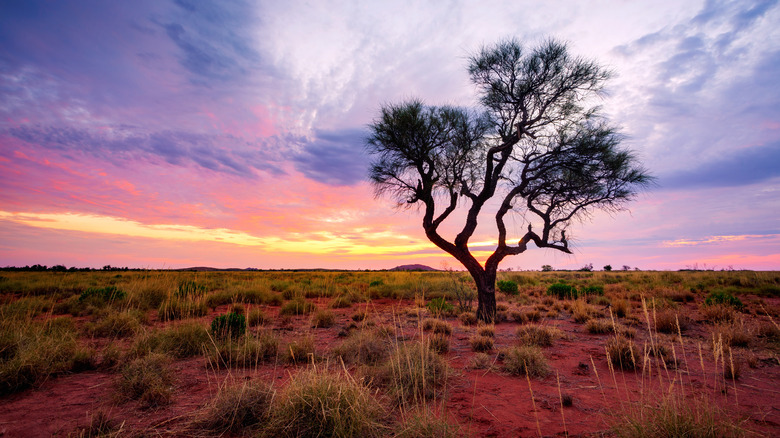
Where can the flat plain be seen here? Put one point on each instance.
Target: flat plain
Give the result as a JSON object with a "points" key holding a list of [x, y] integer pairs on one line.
{"points": [[317, 353]]}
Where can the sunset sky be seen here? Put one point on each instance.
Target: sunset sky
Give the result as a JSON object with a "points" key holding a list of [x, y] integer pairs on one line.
{"points": [[169, 134]]}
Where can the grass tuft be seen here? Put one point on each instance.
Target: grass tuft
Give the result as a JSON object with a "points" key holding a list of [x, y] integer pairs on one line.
{"points": [[526, 359], [318, 402]]}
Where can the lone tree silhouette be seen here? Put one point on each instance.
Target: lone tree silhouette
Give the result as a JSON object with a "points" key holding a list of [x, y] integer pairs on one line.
{"points": [[538, 144]]}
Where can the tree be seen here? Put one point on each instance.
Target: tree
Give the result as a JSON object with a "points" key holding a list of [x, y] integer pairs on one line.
{"points": [[607, 267], [537, 144]]}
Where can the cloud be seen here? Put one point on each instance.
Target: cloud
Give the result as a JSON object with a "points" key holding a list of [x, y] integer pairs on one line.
{"points": [[740, 167], [336, 158], [216, 152]]}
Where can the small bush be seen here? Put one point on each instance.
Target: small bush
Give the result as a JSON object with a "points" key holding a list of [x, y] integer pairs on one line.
{"points": [[622, 353], [236, 408], [323, 319], [507, 286], [232, 325], [148, 379], [527, 359], [539, 335], [439, 306], [562, 291], [723, 297], [323, 403], [481, 344], [297, 306], [595, 289]]}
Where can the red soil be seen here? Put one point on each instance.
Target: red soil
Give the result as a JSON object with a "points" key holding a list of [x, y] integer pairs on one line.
{"points": [[484, 403]]}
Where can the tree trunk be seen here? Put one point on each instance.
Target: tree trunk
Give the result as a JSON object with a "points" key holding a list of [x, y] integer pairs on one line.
{"points": [[486, 297]]}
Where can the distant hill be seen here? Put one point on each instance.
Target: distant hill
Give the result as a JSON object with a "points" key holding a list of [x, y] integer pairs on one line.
{"points": [[413, 268]]}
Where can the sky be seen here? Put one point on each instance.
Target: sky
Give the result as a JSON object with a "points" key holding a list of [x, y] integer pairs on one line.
{"points": [[170, 134]]}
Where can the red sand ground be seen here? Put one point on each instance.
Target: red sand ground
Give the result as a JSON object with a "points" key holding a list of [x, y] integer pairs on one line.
{"points": [[485, 403]]}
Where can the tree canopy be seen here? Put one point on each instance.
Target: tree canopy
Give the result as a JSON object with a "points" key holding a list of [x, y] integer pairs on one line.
{"points": [[538, 144]]}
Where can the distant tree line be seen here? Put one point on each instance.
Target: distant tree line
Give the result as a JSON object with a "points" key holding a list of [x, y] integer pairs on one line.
{"points": [[63, 268]]}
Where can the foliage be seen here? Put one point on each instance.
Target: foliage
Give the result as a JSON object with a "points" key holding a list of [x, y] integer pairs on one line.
{"points": [[723, 297], [231, 325], [538, 141], [507, 286], [562, 291], [438, 306]]}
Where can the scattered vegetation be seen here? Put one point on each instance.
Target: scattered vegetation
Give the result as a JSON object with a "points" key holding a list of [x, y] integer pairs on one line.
{"points": [[525, 360]]}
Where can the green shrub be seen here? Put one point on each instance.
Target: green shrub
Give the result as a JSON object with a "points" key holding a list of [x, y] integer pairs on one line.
{"points": [[723, 297], [232, 325], [438, 306], [189, 289], [562, 291], [596, 289], [507, 286]]}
